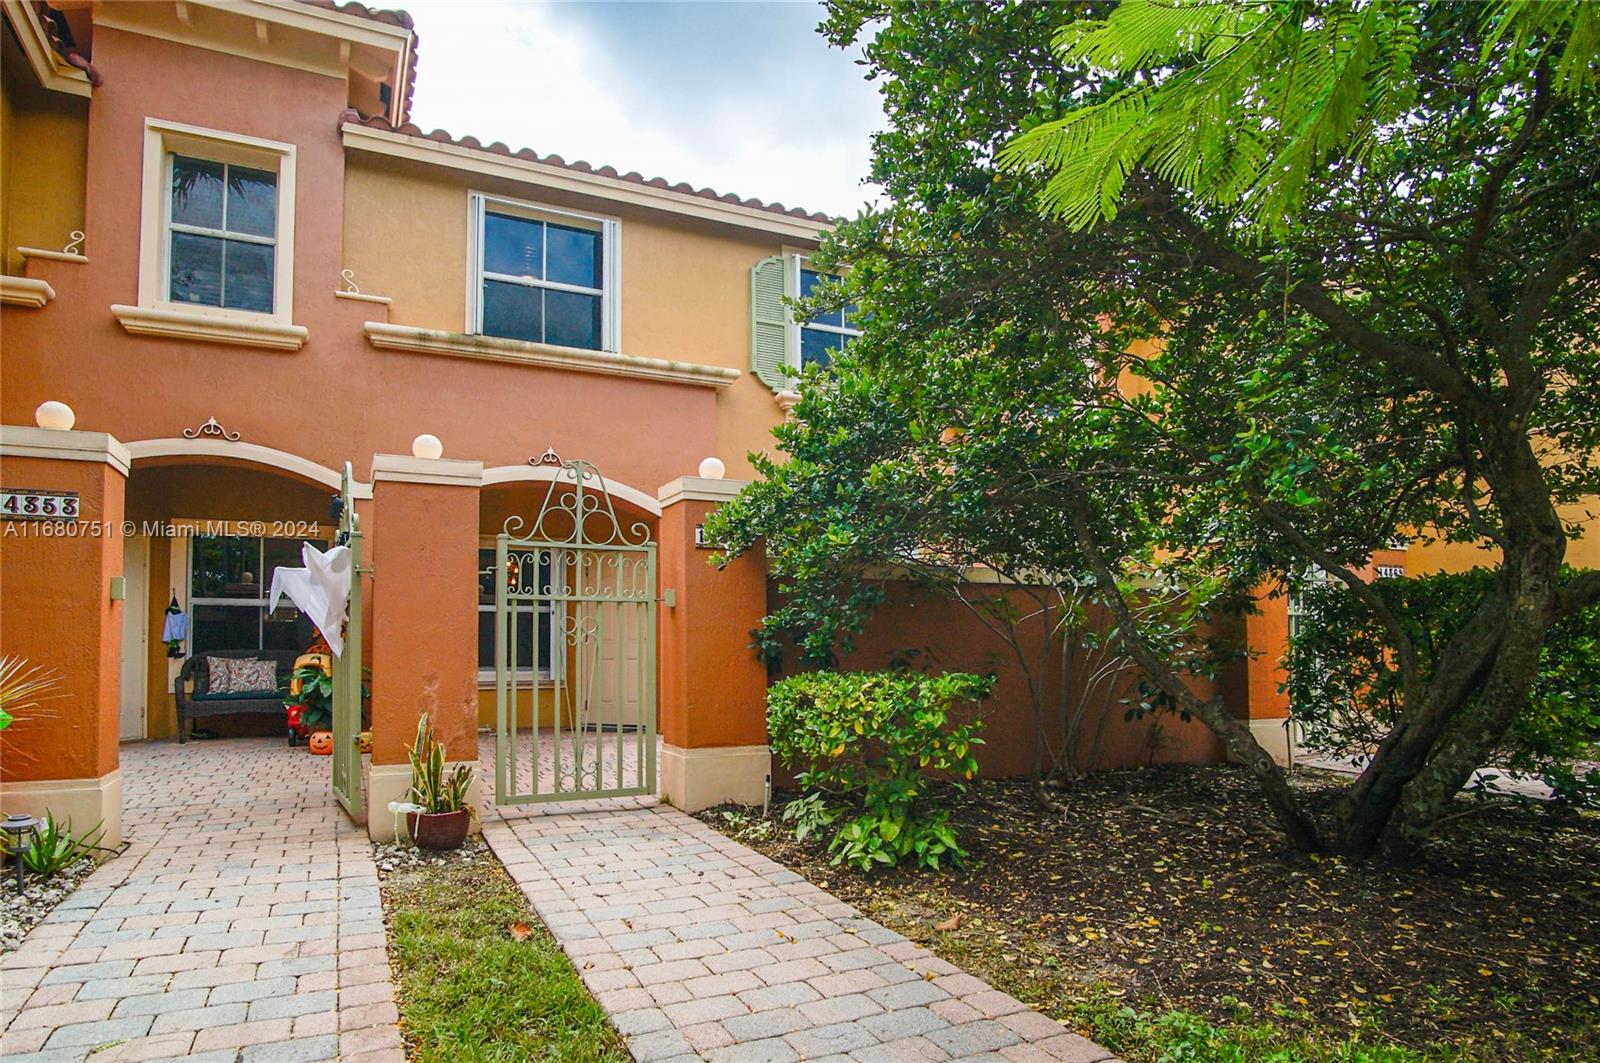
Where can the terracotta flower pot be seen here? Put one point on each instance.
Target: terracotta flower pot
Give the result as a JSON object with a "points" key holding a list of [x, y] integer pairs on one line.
{"points": [[439, 831]]}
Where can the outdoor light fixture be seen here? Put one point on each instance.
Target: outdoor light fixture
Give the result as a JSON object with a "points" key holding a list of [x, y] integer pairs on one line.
{"points": [[427, 446], [713, 469], [56, 416]]}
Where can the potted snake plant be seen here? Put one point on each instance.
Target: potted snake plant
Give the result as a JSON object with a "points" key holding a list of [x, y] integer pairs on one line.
{"points": [[445, 817]]}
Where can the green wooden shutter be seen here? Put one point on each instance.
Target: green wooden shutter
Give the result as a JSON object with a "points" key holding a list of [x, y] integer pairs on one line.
{"points": [[769, 322]]}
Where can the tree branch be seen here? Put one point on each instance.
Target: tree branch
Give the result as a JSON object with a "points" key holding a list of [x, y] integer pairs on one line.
{"points": [[1403, 357], [1235, 736]]}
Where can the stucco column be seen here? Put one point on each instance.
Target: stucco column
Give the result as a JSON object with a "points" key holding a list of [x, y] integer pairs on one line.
{"points": [[58, 577], [713, 689], [1267, 636], [422, 543]]}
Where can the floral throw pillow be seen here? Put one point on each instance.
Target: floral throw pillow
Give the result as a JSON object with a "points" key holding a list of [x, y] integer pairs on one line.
{"points": [[230, 676]]}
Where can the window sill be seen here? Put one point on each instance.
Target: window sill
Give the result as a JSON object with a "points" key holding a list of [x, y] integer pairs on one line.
{"points": [[25, 291], [237, 328], [494, 349]]}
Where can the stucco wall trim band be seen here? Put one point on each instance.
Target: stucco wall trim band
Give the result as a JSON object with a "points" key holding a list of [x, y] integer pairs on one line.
{"points": [[494, 349], [210, 328], [25, 291], [506, 474], [19, 441]]}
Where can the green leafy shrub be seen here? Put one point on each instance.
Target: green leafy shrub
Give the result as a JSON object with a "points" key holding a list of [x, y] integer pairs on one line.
{"points": [[54, 847], [1347, 692], [870, 739]]}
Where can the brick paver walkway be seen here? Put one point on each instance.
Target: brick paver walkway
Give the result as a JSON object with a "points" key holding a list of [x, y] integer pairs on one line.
{"points": [[701, 948], [242, 925]]}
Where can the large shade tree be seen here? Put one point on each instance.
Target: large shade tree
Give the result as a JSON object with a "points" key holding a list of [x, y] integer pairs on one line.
{"points": [[1363, 238]]}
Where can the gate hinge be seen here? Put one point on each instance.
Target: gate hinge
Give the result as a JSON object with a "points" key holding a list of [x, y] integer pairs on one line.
{"points": [[669, 598]]}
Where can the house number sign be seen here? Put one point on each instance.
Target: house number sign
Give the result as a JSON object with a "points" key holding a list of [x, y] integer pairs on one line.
{"points": [[27, 503]]}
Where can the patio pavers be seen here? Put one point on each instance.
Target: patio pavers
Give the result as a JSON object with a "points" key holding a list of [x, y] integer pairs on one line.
{"points": [[242, 924], [701, 948]]}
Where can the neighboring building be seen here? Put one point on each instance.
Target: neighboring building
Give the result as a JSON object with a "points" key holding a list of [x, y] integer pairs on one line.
{"points": [[227, 251]]}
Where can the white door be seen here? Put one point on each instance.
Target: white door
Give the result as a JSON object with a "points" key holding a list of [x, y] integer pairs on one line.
{"points": [[135, 634]]}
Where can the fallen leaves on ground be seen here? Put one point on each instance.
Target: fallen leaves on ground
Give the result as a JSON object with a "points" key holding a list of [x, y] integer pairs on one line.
{"points": [[1170, 887]]}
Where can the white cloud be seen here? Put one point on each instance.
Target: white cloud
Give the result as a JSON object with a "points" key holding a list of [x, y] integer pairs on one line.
{"points": [[744, 98]]}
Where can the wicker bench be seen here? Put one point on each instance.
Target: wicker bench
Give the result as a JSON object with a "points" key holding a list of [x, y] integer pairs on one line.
{"points": [[199, 701]]}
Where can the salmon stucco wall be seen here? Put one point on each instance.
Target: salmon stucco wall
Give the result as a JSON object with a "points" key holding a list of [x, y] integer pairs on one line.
{"points": [[935, 633], [425, 617], [712, 689], [59, 616]]}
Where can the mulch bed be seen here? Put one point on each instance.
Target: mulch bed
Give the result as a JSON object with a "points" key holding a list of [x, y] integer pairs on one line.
{"points": [[1170, 889]]}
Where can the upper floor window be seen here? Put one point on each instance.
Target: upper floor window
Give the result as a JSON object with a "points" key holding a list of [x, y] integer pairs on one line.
{"points": [[222, 235], [216, 239], [824, 333], [544, 275]]}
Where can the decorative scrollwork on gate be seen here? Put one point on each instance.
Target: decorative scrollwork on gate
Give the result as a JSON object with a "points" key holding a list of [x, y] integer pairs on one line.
{"points": [[577, 511]]}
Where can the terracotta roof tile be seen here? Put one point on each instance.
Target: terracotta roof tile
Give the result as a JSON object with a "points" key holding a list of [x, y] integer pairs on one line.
{"points": [[351, 115]]}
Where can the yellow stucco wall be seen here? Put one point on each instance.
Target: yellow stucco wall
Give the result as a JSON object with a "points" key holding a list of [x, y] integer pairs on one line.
{"points": [[43, 149], [1584, 552], [685, 286]]}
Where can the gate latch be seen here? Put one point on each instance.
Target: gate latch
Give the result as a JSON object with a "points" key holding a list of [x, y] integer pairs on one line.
{"points": [[669, 598]]}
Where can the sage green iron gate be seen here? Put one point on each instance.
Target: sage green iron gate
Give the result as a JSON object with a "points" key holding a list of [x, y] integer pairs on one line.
{"points": [[347, 786], [575, 647]]}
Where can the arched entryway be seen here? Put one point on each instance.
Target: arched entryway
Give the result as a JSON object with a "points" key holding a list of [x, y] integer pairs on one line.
{"points": [[207, 523], [567, 635]]}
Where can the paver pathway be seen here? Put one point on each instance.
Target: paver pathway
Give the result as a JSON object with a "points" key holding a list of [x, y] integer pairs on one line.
{"points": [[701, 948], [242, 925]]}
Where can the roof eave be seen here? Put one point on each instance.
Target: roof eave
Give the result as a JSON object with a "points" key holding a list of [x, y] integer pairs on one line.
{"points": [[395, 144], [52, 70]]}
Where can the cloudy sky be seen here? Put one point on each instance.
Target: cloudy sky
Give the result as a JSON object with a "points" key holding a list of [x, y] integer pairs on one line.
{"points": [[744, 97]]}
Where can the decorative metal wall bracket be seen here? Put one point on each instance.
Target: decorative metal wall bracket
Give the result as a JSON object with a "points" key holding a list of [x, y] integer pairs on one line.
{"points": [[213, 429]]}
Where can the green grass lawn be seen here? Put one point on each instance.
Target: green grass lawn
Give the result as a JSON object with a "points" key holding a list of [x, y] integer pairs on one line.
{"points": [[468, 988]]}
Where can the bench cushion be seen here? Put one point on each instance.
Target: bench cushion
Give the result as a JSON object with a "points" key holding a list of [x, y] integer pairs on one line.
{"points": [[242, 695]]}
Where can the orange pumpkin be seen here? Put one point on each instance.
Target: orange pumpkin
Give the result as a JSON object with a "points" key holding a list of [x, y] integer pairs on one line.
{"points": [[321, 743], [366, 741]]}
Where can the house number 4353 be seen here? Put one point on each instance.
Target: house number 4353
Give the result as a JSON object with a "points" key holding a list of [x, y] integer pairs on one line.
{"points": [[25, 503]]}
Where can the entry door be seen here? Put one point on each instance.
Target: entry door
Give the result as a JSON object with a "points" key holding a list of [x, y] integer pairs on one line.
{"points": [[135, 634]]}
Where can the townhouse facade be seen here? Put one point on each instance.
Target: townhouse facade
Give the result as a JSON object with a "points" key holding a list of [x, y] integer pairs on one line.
{"points": [[232, 267]]}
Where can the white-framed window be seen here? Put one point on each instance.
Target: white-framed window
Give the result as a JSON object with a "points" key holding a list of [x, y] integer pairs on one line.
{"points": [[217, 223], [228, 580], [536, 623], [543, 275], [221, 234], [814, 340]]}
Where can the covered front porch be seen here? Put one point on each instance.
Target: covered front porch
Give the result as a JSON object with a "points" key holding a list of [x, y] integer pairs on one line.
{"points": [[196, 527]]}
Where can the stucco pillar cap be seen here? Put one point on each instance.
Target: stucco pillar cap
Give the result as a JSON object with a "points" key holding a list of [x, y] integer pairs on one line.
{"points": [[26, 441], [698, 489], [405, 468]]}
